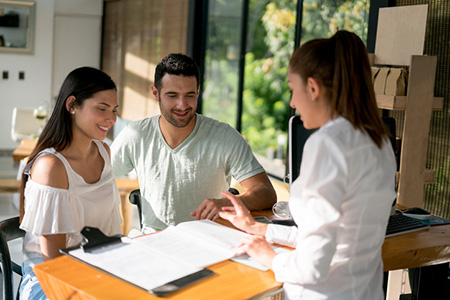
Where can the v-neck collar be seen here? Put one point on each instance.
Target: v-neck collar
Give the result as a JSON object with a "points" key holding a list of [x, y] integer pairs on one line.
{"points": [[186, 140]]}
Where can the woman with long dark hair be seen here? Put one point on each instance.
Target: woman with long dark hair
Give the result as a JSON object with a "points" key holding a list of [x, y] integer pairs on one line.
{"points": [[68, 181], [342, 198]]}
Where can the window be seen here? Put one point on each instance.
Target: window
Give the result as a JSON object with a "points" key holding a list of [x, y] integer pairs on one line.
{"points": [[270, 40], [220, 85]]}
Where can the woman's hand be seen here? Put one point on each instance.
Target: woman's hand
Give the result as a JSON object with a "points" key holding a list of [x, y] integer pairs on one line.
{"points": [[240, 217], [259, 249]]}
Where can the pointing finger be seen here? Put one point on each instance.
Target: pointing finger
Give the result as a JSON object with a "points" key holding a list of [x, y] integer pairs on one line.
{"points": [[237, 203]]}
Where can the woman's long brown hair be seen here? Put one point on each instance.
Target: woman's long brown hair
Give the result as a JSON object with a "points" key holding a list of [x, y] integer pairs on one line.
{"points": [[341, 65], [82, 83]]}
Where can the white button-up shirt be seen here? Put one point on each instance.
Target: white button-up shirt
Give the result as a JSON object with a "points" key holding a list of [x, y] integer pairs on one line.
{"points": [[341, 203]]}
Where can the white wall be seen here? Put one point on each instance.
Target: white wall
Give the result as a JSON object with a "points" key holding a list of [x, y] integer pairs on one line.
{"points": [[77, 37], [67, 35], [36, 87]]}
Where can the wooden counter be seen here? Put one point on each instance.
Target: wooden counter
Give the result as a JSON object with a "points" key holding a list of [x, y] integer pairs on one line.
{"points": [[23, 150], [417, 249]]}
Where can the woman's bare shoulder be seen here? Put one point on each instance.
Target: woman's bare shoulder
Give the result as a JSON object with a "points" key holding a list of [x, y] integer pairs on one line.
{"points": [[49, 170]]}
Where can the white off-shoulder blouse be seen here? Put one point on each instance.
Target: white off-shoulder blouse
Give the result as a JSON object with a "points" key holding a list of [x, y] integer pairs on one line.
{"points": [[50, 210]]}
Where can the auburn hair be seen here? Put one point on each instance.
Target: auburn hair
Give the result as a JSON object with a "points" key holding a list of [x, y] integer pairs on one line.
{"points": [[341, 65]]}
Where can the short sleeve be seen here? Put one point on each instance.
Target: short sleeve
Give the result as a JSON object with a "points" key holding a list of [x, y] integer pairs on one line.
{"points": [[240, 161], [50, 210], [121, 152]]}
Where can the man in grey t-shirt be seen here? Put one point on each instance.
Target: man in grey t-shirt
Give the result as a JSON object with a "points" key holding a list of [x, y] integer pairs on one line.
{"points": [[184, 160]]}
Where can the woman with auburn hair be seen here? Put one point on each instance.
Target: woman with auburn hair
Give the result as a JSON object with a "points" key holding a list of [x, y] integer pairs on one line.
{"points": [[68, 181], [342, 198]]}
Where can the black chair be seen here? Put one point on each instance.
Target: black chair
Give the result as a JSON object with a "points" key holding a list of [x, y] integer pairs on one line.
{"points": [[135, 198], [9, 230]]}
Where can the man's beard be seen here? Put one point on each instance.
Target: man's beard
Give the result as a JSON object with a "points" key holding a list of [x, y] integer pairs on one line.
{"points": [[169, 116]]}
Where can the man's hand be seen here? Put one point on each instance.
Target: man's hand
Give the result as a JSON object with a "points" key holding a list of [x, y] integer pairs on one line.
{"points": [[209, 209]]}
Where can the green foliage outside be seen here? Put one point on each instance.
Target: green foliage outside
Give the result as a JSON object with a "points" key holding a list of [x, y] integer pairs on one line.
{"points": [[270, 44], [322, 18], [220, 91], [266, 96]]}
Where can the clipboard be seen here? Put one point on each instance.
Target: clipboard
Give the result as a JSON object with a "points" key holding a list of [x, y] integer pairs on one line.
{"points": [[96, 241]]}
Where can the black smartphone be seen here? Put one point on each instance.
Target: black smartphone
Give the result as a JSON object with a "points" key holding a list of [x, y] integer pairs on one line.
{"points": [[262, 220]]}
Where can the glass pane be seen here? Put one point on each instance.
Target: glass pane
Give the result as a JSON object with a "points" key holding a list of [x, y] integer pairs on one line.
{"points": [[322, 18], [220, 85], [270, 44], [266, 95]]}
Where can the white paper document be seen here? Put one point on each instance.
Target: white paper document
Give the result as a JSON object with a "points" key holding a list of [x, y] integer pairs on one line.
{"points": [[135, 264], [154, 260], [201, 243]]}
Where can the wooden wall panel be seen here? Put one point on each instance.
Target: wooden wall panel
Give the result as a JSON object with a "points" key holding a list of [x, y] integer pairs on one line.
{"points": [[137, 35], [437, 39]]}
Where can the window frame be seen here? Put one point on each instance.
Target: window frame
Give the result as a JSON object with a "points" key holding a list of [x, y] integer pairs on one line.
{"points": [[197, 44]]}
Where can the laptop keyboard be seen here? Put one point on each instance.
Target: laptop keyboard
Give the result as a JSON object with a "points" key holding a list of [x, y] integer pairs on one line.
{"points": [[400, 224]]}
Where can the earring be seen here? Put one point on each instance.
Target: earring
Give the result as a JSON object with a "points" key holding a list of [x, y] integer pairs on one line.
{"points": [[72, 112]]}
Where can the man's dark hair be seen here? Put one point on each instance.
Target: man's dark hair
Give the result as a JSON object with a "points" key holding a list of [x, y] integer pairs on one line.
{"points": [[176, 64]]}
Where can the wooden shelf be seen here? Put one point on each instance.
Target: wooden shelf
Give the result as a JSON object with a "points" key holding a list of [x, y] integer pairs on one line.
{"points": [[428, 176], [400, 42], [418, 105], [399, 102]]}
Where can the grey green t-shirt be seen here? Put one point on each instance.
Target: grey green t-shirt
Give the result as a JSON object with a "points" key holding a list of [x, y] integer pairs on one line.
{"points": [[174, 182]]}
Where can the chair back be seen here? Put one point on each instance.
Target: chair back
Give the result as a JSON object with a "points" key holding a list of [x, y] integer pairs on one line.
{"points": [[24, 125], [9, 230], [135, 198]]}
